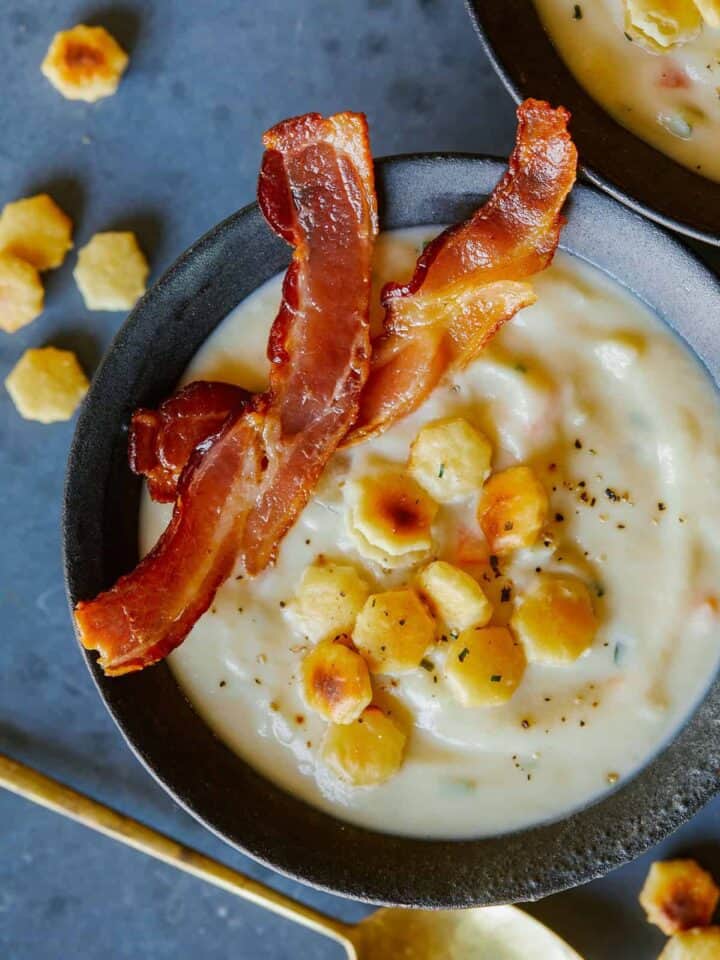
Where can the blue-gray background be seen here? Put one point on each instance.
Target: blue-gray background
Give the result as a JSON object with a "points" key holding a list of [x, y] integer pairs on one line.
{"points": [[176, 150]]}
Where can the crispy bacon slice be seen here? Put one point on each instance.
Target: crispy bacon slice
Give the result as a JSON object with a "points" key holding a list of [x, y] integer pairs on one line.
{"points": [[161, 441], [469, 281], [472, 278], [241, 492]]}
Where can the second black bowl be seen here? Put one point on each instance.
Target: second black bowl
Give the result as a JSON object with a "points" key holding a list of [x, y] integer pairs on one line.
{"points": [[612, 157], [143, 365]]}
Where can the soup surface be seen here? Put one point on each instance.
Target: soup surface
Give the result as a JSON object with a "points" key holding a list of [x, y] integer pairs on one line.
{"points": [[669, 97], [622, 427]]}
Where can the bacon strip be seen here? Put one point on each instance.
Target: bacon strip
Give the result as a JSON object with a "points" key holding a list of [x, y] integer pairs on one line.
{"points": [[472, 278], [162, 441], [431, 325], [242, 491]]}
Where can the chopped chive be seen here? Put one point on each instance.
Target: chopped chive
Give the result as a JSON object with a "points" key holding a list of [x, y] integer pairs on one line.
{"points": [[427, 664], [496, 678], [463, 653], [441, 471], [577, 12]]}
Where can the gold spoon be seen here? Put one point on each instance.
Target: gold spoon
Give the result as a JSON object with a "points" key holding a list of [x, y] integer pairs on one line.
{"points": [[488, 933]]}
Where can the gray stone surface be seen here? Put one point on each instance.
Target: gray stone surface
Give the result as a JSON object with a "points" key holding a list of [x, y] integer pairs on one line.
{"points": [[175, 151]]}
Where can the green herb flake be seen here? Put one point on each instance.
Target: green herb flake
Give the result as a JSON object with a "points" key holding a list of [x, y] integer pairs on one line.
{"points": [[460, 785], [441, 471], [463, 653], [627, 36], [599, 589], [496, 678], [427, 664], [618, 653], [521, 368], [677, 124], [577, 12]]}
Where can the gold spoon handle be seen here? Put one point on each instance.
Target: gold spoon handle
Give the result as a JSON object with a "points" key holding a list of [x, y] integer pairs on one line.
{"points": [[42, 790]]}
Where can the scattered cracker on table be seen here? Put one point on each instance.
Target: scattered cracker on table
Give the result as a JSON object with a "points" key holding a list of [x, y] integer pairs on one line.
{"points": [[702, 943], [111, 271], [21, 293], [679, 895], [85, 63], [36, 230], [47, 384]]}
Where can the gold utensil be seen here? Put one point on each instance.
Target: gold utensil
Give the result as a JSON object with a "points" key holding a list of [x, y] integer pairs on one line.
{"points": [[488, 933]]}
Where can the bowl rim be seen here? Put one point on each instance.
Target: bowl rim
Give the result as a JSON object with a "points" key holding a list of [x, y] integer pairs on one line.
{"points": [[519, 89], [352, 861]]}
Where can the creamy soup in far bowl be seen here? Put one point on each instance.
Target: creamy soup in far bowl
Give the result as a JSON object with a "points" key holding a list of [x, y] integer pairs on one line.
{"points": [[654, 65], [571, 632]]}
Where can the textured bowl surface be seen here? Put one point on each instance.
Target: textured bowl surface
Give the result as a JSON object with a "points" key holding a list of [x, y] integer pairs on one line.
{"points": [[144, 363], [612, 157]]}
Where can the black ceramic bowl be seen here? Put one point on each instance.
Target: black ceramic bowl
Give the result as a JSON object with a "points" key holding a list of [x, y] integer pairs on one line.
{"points": [[143, 365], [612, 157]]}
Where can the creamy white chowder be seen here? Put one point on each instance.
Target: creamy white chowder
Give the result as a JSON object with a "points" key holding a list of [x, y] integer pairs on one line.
{"points": [[670, 98], [623, 427]]}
